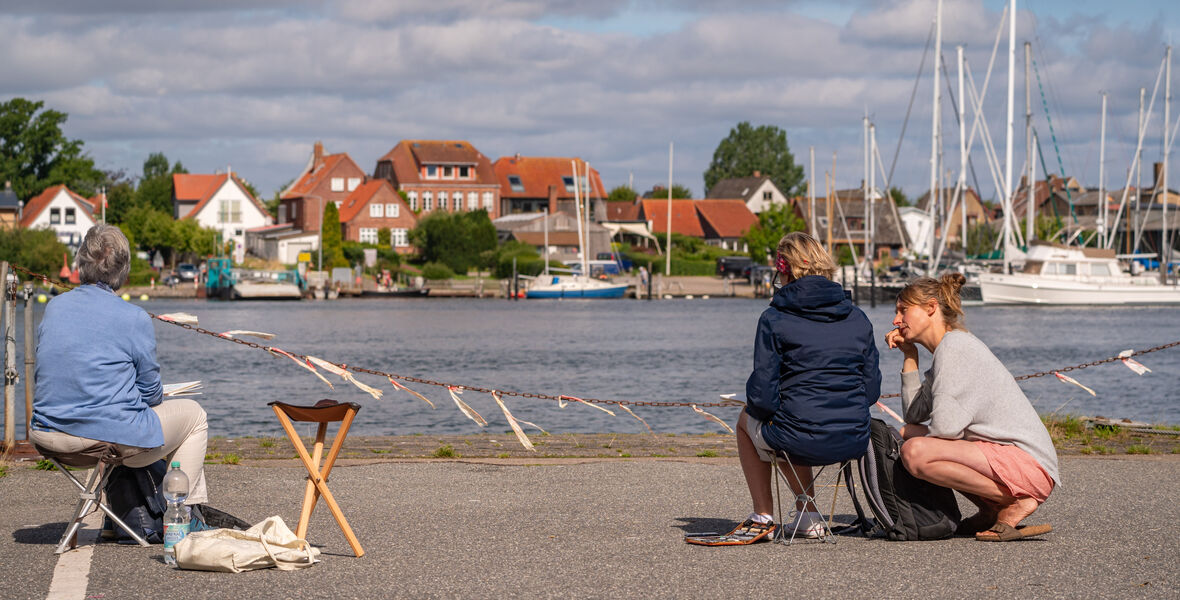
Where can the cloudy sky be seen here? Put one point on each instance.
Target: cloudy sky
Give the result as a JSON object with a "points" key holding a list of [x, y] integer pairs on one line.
{"points": [[253, 83]]}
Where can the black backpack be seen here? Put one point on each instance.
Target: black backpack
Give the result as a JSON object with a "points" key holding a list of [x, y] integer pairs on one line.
{"points": [[136, 496], [906, 508]]}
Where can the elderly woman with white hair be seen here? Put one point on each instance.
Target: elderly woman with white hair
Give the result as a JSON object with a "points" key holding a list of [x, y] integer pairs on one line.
{"points": [[97, 379]]}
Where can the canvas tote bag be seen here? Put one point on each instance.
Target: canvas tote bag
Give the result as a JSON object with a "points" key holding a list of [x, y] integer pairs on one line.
{"points": [[269, 543]]}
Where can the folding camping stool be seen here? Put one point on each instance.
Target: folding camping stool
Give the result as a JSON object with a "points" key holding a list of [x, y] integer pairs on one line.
{"points": [[101, 459], [786, 533], [324, 412]]}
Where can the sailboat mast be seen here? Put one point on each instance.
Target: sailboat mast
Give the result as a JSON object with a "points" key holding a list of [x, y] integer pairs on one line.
{"points": [[1031, 182], [578, 217], [1164, 244], [935, 121], [1139, 167], [1007, 199], [545, 211], [668, 256], [865, 187], [1102, 179], [811, 194], [962, 148], [871, 200]]}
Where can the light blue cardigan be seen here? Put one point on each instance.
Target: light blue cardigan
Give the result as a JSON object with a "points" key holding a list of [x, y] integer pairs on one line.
{"points": [[97, 375]]}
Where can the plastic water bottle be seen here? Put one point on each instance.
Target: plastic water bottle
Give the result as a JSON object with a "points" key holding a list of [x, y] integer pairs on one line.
{"points": [[176, 518]]}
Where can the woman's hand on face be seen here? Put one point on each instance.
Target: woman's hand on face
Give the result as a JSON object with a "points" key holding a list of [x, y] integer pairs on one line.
{"points": [[894, 339]]}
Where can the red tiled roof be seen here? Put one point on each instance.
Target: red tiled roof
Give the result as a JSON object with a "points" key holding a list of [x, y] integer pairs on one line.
{"points": [[727, 218], [359, 198], [34, 206], [684, 217], [622, 211], [408, 156], [538, 173], [316, 175], [200, 188]]}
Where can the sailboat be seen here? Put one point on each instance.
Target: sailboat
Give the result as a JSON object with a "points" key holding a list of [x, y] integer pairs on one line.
{"points": [[577, 285]]}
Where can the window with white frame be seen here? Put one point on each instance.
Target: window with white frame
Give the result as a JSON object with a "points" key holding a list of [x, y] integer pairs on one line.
{"points": [[448, 172], [282, 213], [457, 198], [337, 184], [392, 210], [368, 235], [472, 200], [55, 216], [442, 201], [353, 183], [464, 172], [376, 210], [427, 201], [487, 201], [71, 216], [413, 196], [515, 183], [230, 211], [568, 180], [399, 237], [431, 172]]}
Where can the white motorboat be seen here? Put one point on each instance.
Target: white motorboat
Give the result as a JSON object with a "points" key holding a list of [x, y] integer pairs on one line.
{"points": [[1056, 274]]}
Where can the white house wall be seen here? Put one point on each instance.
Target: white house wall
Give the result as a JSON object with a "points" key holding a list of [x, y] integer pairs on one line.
{"points": [[251, 217], [757, 204], [70, 235]]}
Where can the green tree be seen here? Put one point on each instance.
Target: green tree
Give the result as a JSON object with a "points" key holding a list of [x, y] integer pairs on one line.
{"points": [[384, 237], [35, 154], [899, 197], [37, 250], [748, 149], [332, 240], [661, 193], [458, 240], [621, 193], [773, 224], [155, 187], [192, 240]]}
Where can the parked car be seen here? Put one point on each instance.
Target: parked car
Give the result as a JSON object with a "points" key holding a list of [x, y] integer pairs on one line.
{"points": [[732, 266], [187, 271], [624, 263]]}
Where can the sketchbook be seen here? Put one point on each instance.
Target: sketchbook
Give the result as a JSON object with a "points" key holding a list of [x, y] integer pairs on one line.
{"points": [[188, 388]]}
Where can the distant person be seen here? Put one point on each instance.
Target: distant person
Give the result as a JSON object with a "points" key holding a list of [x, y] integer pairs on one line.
{"points": [[815, 376], [982, 437], [97, 379]]}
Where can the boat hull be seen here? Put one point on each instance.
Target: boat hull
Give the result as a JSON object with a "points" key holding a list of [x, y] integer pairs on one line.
{"points": [[576, 287], [249, 290], [1024, 289]]}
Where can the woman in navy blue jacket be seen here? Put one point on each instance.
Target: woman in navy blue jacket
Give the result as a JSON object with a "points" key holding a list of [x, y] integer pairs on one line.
{"points": [[815, 377]]}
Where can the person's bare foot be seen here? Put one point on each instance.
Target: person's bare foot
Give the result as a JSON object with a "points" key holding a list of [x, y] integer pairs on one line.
{"points": [[1012, 515]]}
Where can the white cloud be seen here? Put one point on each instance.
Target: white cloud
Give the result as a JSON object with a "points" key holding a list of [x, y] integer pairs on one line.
{"points": [[256, 86]]}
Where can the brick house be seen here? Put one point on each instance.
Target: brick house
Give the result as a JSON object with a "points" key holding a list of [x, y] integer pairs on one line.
{"points": [[534, 183], [374, 206], [441, 175], [725, 221], [58, 208], [326, 178]]}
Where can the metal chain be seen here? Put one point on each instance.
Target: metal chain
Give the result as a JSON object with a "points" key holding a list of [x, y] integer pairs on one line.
{"points": [[559, 398]]}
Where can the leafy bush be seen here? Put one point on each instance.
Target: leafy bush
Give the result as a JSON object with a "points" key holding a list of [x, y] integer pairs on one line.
{"points": [[457, 239], [435, 271], [528, 261], [37, 250]]}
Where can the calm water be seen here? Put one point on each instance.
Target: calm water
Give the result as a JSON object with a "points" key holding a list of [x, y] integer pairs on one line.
{"points": [[677, 350]]}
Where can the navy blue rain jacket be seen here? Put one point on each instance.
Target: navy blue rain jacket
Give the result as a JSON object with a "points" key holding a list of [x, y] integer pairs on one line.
{"points": [[815, 373]]}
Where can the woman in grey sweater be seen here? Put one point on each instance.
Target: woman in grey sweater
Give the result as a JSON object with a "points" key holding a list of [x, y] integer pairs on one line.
{"points": [[982, 437]]}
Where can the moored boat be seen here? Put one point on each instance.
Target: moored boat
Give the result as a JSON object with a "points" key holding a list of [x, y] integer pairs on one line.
{"points": [[1056, 274]]}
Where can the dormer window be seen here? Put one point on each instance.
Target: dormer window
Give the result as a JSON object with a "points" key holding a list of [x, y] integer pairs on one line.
{"points": [[464, 172], [448, 172], [569, 183], [431, 171], [515, 184]]}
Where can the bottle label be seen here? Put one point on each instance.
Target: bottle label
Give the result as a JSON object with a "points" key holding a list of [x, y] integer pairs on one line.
{"points": [[173, 533]]}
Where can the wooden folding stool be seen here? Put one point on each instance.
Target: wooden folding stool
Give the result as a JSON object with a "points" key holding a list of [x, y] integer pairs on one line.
{"points": [[324, 412]]}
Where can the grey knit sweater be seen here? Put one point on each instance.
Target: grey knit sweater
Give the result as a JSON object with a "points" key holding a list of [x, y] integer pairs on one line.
{"points": [[968, 394]]}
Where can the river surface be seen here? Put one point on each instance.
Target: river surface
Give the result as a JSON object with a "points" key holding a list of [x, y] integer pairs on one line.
{"points": [[671, 350]]}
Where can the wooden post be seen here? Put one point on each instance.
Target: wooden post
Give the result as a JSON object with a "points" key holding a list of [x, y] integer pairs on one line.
{"points": [[8, 311], [30, 358]]}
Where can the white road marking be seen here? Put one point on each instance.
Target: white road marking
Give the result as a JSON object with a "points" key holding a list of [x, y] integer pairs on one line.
{"points": [[72, 573]]}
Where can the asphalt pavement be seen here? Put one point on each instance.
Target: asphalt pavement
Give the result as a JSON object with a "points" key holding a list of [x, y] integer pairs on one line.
{"points": [[611, 528]]}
